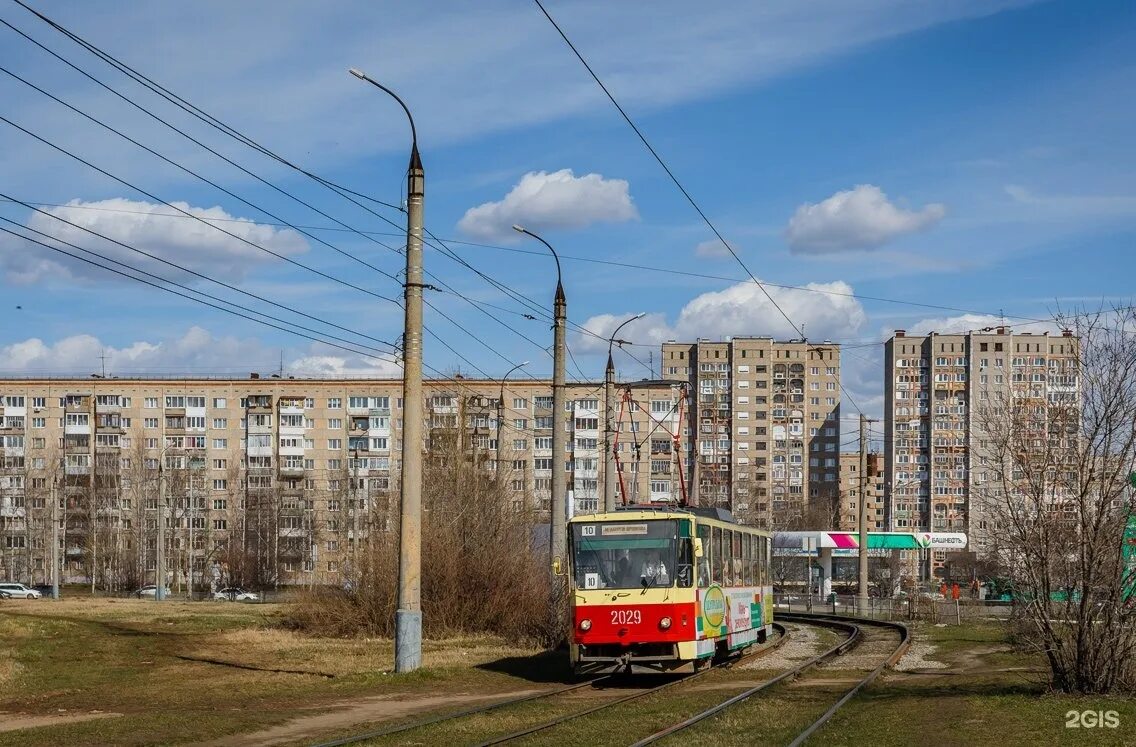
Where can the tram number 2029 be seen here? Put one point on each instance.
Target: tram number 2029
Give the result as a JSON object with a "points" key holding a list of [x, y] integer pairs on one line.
{"points": [[625, 617]]}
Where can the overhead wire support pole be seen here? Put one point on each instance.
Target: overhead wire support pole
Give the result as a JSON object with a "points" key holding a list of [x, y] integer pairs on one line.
{"points": [[501, 414], [609, 406], [558, 523], [408, 616]]}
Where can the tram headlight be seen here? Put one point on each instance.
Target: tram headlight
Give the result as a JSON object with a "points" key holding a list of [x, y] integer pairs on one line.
{"points": [[585, 625], [665, 623]]}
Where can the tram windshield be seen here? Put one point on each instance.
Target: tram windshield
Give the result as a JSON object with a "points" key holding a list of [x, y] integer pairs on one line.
{"points": [[627, 554]]}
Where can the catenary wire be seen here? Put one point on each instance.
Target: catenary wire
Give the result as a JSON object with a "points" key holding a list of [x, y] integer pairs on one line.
{"points": [[681, 188], [202, 293], [189, 108], [243, 240], [241, 199], [185, 269], [613, 263], [291, 331]]}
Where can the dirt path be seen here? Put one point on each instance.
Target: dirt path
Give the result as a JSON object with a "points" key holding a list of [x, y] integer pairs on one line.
{"points": [[356, 712], [15, 722]]}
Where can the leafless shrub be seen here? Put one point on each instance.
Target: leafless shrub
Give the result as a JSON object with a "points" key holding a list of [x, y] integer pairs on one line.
{"points": [[480, 570], [1053, 493]]}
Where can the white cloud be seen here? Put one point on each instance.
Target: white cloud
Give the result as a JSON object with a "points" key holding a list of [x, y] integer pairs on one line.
{"points": [[196, 351], [543, 200], [741, 309], [149, 228], [713, 249], [859, 218]]}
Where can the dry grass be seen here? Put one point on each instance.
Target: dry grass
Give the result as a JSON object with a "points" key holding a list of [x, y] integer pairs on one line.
{"points": [[138, 657]]}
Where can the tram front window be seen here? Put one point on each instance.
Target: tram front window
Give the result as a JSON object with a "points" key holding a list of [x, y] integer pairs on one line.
{"points": [[625, 554]]}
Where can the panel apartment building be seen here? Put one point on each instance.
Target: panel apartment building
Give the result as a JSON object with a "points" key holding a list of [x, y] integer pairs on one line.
{"points": [[766, 424], [934, 386], [293, 472]]}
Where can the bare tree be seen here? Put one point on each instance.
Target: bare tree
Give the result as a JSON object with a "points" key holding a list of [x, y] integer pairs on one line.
{"points": [[1055, 450], [480, 569]]}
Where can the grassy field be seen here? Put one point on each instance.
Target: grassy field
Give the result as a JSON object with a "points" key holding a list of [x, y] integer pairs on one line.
{"points": [[193, 672], [115, 671]]}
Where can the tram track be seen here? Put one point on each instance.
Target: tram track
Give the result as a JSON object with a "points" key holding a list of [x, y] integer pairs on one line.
{"points": [[453, 716], [782, 637], [856, 636]]}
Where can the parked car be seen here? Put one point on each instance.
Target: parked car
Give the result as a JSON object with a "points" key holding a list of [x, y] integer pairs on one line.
{"points": [[44, 589], [18, 591], [235, 594], [149, 591]]}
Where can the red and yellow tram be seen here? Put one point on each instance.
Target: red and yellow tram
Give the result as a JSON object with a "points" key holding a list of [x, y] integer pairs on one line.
{"points": [[665, 588]]}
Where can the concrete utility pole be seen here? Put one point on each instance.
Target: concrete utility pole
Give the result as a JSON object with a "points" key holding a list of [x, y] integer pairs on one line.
{"points": [[609, 424], [862, 519], [54, 539], [160, 559], [558, 529], [408, 616]]}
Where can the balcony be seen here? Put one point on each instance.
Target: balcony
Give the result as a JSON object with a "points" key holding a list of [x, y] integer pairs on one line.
{"points": [[256, 406]]}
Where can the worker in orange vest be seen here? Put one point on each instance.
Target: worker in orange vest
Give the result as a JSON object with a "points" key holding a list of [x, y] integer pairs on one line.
{"points": [[955, 592]]}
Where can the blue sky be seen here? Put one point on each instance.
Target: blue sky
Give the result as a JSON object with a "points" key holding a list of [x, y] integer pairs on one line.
{"points": [[974, 155]]}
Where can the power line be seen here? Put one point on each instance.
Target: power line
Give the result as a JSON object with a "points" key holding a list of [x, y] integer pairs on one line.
{"points": [[679, 185], [152, 196], [608, 262], [240, 137], [181, 268], [189, 108], [189, 297], [194, 174], [247, 141]]}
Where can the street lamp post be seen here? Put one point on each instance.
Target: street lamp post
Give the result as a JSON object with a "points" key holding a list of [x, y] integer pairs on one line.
{"points": [[609, 425], [501, 412], [558, 529], [408, 617]]}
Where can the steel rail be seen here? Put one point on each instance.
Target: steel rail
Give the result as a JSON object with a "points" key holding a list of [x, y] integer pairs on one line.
{"points": [[442, 717], [848, 643], [896, 655], [782, 637]]}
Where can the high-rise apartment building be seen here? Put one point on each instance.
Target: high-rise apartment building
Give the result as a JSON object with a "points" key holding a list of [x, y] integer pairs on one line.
{"points": [[934, 387], [281, 476], [765, 419]]}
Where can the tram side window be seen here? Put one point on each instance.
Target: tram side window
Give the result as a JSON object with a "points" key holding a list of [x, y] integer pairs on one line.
{"points": [[763, 561], [747, 558], [684, 574], [736, 557], [704, 561], [717, 556]]}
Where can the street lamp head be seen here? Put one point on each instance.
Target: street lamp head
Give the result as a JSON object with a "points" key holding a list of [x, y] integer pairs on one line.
{"points": [[358, 73], [524, 363]]}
